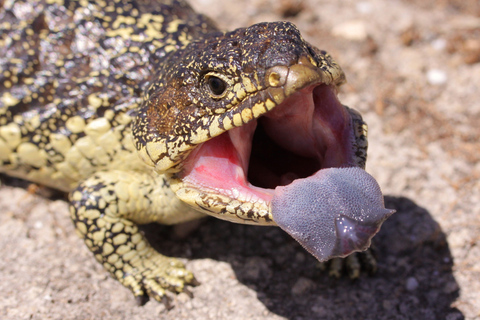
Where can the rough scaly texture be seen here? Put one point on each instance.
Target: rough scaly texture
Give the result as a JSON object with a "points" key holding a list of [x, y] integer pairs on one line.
{"points": [[89, 89]]}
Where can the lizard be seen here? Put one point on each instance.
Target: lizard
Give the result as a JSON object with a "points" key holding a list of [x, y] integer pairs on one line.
{"points": [[145, 111]]}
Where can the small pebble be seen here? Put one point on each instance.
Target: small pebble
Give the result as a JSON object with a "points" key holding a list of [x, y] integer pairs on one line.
{"points": [[302, 286], [436, 76], [320, 311], [451, 287], [439, 44], [351, 30], [412, 284], [364, 7]]}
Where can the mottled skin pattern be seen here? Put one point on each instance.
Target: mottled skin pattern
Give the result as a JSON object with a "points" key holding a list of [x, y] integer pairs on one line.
{"points": [[77, 78]]}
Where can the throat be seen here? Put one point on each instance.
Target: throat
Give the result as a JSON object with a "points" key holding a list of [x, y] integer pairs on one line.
{"points": [[272, 165]]}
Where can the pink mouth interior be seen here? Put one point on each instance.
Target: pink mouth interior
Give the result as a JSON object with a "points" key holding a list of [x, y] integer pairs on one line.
{"points": [[308, 132]]}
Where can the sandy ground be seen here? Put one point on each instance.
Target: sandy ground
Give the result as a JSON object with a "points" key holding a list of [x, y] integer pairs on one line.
{"points": [[414, 73]]}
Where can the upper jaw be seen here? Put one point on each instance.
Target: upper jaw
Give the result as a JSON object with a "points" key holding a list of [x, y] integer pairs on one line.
{"points": [[284, 81], [301, 122]]}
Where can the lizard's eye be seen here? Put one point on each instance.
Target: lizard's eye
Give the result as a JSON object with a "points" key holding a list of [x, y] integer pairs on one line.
{"points": [[217, 86]]}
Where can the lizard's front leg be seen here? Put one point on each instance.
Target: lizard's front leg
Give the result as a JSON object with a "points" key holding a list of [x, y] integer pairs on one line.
{"points": [[106, 209]]}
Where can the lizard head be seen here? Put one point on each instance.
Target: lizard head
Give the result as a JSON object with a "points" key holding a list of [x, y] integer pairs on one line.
{"points": [[243, 120]]}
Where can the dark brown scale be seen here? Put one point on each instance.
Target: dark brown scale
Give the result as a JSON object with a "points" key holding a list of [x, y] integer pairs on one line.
{"points": [[82, 58]]}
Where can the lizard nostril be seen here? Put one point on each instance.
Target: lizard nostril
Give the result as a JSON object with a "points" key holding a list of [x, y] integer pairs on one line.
{"points": [[276, 76], [274, 79]]}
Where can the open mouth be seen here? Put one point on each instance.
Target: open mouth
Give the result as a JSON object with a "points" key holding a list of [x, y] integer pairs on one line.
{"points": [[297, 165], [307, 132]]}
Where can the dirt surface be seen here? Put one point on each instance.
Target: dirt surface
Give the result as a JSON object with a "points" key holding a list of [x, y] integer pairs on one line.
{"points": [[413, 70]]}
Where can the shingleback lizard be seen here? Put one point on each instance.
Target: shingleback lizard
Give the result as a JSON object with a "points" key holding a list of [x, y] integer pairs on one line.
{"points": [[144, 111]]}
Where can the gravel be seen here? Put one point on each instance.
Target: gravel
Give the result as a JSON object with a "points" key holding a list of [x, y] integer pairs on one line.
{"points": [[413, 71]]}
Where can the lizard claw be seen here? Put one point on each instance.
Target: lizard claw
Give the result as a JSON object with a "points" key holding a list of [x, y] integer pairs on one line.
{"points": [[157, 275], [352, 265]]}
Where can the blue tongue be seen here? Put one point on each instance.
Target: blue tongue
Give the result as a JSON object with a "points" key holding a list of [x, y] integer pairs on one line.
{"points": [[333, 213]]}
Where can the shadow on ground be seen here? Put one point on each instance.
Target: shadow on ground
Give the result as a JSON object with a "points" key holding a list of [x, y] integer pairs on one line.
{"points": [[414, 278]]}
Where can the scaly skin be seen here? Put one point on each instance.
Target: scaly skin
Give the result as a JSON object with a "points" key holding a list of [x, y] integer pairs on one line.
{"points": [[106, 100]]}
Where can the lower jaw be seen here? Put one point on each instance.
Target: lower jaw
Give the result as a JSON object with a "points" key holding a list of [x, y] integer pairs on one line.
{"points": [[252, 207]]}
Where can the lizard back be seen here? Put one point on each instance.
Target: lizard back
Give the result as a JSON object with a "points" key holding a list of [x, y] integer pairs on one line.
{"points": [[72, 74]]}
